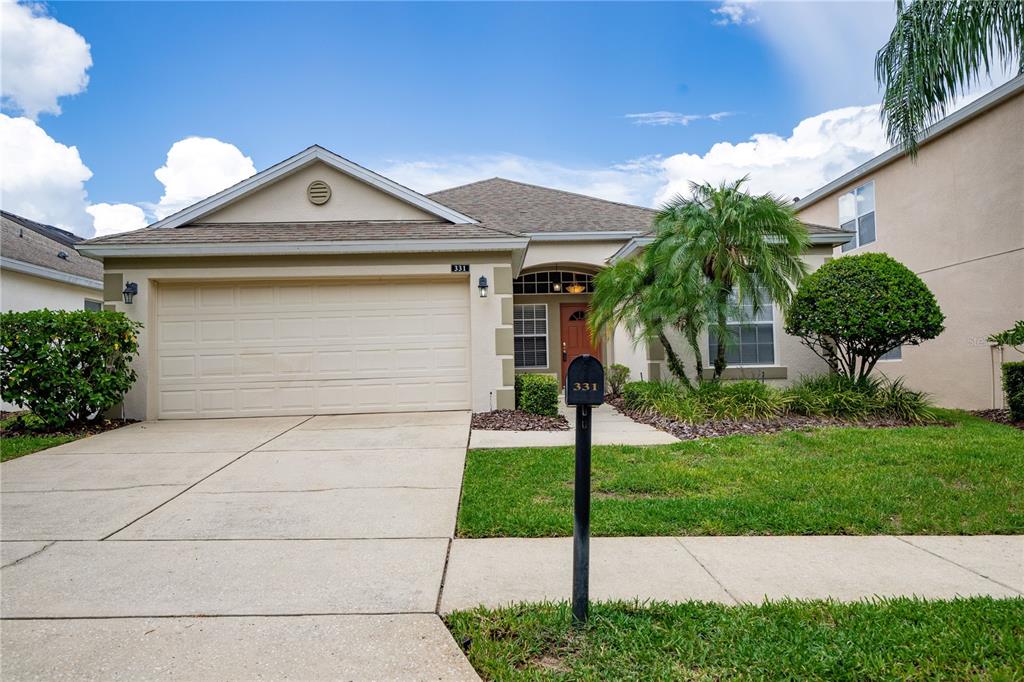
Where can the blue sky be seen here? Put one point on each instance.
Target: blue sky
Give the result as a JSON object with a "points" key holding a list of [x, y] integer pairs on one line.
{"points": [[613, 99]]}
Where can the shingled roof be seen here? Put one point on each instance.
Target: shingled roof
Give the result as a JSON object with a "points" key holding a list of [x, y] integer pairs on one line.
{"points": [[517, 206], [34, 243]]}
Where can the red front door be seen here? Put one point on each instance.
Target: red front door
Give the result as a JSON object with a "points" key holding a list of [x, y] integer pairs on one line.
{"points": [[576, 334]]}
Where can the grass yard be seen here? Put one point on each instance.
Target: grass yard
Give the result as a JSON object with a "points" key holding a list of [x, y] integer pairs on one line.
{"points": [[895, 639], [12, 447], [965, 479]]}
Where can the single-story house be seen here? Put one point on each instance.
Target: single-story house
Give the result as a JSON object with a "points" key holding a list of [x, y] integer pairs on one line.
{"points": [[318, 286], [39, 268]]}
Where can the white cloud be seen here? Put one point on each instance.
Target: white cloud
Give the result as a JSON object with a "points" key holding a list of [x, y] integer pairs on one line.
{"points": [[197, 167], [670, 118], [819, 149], [735, 12], [631, 182], [41, 178], [114, 218], [42, 59]]}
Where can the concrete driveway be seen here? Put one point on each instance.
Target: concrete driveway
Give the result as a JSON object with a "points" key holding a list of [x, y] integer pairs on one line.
{"points": [[298, 547]]}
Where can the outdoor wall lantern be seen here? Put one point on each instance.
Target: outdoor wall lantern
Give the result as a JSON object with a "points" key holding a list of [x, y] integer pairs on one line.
{"points": [[483, 286], [130, 289]]}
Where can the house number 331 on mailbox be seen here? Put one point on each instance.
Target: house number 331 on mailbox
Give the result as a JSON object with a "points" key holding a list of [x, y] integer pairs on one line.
{"points": [[584, 388]]}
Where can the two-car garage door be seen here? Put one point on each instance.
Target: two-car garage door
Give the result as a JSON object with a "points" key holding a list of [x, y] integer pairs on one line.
{"points": [[244, 349]]}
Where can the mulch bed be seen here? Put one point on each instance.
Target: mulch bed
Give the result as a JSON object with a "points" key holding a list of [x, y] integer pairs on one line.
{"points": [[517, 420], [725, 427], [999, 417], [79, 430]]}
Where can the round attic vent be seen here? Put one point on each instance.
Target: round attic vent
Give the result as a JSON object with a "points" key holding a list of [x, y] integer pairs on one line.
{"points": [[318, 192]]}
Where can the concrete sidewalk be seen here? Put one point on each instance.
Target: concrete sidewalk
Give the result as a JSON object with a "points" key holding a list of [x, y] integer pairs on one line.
{"points": [[733, 570], [611, 427]]}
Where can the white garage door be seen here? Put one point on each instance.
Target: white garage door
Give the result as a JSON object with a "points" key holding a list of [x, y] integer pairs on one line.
{"points": [[330, 347]]}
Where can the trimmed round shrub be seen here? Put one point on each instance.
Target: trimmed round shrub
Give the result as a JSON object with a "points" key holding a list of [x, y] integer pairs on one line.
{"points": [[66, 366], [537, 394], [855, 309]]}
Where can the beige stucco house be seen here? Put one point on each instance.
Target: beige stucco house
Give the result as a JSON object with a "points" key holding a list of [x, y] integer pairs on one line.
{"points": [[318, 286], [955, 216]]}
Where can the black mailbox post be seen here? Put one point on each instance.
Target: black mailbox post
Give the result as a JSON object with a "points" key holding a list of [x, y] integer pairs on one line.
{"points": [[584, 388]]}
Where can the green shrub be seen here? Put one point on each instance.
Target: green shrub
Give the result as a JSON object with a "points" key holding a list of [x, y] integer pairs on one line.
{"points": [[837, 396], [854, 309], [66, 366], [642, 395], [746, 400], [1013, 384], [616, 376], [537, 394]]}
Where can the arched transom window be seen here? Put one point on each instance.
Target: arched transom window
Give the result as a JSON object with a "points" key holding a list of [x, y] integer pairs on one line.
{"points": [[553, 282]]}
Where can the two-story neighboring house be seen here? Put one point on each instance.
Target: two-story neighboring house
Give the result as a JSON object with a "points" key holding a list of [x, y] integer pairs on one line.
{"points": [[955, 216]]}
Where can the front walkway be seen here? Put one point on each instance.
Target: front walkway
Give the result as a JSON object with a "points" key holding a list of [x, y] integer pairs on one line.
{"points": [[731, 570], [611, 427], [293, 547]]}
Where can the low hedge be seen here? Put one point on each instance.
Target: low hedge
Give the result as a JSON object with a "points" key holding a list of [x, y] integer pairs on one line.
{"points": [[66, 366], [1013, 384], [823, 396], [537, 394]]}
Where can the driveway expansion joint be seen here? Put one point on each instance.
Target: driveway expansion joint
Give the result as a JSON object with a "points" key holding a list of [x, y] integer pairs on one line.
{"points": [[212, 473], [39, 551]]}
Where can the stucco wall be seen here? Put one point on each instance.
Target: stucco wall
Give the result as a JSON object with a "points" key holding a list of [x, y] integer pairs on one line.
{"points": [[285, 200], [20, 292], [485, 313], [955, 217]]}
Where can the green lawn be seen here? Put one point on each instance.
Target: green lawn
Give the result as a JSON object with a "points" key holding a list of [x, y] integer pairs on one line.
{"points": [[897, 639], [12, 447], [964, 479]]}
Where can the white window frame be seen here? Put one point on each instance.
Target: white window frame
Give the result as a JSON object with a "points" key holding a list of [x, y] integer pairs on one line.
{"points": [[516, 307], [733, 322], [898, 358], [854, 243]]}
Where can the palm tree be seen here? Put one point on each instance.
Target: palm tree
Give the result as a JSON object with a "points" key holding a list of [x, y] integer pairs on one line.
{"points": [[632, 294], [937, 50], [722, 241]]}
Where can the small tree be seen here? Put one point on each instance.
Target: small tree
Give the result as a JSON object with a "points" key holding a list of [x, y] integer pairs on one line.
{"points": [[1013, 337], [66, 366], [855, 309]]}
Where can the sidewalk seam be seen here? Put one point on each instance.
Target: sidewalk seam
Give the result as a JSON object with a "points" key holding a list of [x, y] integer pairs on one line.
{"points": [[966, 568], [706, 570], [215, 471]]}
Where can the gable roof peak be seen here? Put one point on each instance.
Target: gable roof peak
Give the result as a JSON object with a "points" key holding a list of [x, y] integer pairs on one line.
{"points": [[294, 163]]}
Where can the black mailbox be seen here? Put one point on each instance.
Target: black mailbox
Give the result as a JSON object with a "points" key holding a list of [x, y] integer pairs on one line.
{"points": [[584, 381]]}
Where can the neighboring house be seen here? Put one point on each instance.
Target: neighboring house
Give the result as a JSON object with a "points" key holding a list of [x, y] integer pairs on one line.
{"points": [[955, 216], [318, 286], [39, 268]]}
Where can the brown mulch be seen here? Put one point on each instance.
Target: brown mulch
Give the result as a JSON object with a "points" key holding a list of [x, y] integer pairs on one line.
{"points": [[999, 417], [517, 420], [78, 430], [726, 427]]}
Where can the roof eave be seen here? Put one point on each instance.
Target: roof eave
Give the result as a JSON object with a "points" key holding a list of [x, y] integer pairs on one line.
{"points": [[365, 246], [49, 273]]}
